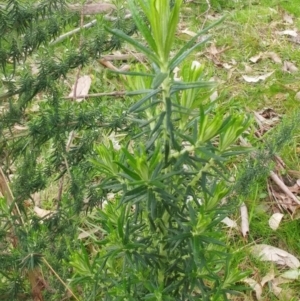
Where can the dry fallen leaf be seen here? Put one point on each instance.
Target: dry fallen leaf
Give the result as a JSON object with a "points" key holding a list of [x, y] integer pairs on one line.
{"points": [[84, 234], [213, 53], [230, 223], [20, 128], [42, 212], [82, 87], [268, 277], [289, 67], [275, 220], [244, 220], [256, 58], [295, 39], [288, 32], [291, 274], [297, 96], [248, 69], [279, 256], [227, 66], [214, 96], [255, 79], [278, 291], [274, 57], [188, 32], [255, 286], [288, 18]]}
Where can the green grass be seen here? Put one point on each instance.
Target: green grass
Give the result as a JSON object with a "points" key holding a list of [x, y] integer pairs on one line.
{"points": [[250, 28]]}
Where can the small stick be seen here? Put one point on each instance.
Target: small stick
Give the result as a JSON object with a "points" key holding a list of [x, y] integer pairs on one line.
{"points": [[283, 187], [67, 34], [57, 276], [276, 179]]}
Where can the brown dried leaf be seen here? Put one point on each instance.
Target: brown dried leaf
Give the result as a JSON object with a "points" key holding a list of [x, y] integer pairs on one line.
{"points": [[288, 18], [227, 66], [295, 188], [295, 39], [285, 294], [268, 277], [288, 32], [292, 274], [256, 58], [82, 87], [255, 79], [289, 67], [268, 113], [248, 69], [274, 57], [297, 96], [255, 286], [279, 256], [230, 223], [84, 234], [20, 128], [108, 65], [214, 96], [189, 32], [275, 220], [244, 220], [42, 213], [213, 49], [283, 201]]}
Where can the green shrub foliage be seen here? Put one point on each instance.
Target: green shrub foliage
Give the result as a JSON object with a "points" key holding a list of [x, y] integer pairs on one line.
{"points": [[149, 173]]}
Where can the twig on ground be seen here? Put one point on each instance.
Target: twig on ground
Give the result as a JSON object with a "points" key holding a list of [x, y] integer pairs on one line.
{"points": [[205, 13], [276, 179], [283, 187]]}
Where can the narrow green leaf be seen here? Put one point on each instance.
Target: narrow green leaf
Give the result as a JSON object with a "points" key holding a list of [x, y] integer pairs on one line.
{"points": [[130, 173], [188, 47], [159, 123], [150, 142], [180, 86], [138, 92], [136, 191], [149, 105], [158, 80], [238, 150], [143, 100], [129, 157], [127, 232], [143, 28], [152, 204], [132, 73], [149, 53], [172, 26], [120, 224]]}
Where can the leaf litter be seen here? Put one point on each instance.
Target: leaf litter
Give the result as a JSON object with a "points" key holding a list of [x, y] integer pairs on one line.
{"points": [[269, 253]]}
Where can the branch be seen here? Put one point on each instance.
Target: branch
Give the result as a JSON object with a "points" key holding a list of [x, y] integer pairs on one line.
{"points": [[67, 34]]}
